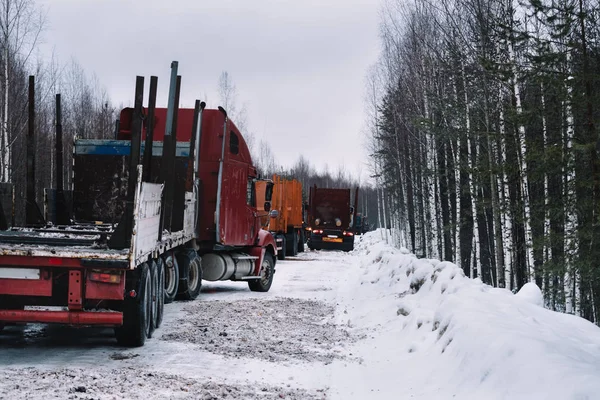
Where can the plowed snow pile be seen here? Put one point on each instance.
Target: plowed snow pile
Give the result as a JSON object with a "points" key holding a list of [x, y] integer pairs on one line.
{"points": [[439, 335], [281, 329]]}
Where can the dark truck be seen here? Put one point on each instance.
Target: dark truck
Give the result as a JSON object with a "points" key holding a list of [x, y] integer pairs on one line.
{"points": [[331, 218], [141, 230]]}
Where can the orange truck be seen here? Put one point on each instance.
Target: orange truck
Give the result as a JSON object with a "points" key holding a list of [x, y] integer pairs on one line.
{"points": [[284, 218]]}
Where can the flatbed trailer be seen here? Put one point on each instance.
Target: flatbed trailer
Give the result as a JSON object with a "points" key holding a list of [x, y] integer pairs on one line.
{"points": [[72, 266]]}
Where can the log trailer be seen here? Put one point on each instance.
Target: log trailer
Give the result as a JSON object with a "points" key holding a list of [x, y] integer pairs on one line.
{"points": [[331, 219], [285, 216], [142, 230]]}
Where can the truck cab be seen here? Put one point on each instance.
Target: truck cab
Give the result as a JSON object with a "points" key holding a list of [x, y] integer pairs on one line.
{"points": [[331, 217]]}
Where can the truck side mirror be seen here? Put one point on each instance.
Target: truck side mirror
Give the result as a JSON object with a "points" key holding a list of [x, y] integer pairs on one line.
{"points": [[267, 206], [269, 193]]}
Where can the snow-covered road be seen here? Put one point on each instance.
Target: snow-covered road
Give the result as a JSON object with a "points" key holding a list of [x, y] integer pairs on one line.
{"points": [[376, 323], [230, 343]]}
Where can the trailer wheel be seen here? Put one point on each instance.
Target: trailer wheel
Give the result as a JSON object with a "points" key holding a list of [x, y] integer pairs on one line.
{"points": [[137, 313], [153, 317], [160, 265], [190, 287], [301, 241], [267, 271], [171, 279]]}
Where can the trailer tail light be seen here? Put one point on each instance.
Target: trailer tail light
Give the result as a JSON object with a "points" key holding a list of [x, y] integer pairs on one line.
{"points": [[318, 231], [348, 233], [104, 276]]}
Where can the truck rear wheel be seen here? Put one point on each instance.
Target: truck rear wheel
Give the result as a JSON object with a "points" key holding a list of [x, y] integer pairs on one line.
{"points": [[171, 278], [137, 313], [161, 291], [189, 288], [153, 298], [267, 271]]}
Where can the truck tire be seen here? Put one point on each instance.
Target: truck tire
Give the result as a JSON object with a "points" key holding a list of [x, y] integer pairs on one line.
{"points": [[153, 298], [301, 241], [292, 244], [137, 312], [267, 271], [161, 291], [295, 239], [281, 253], [189, 288], [171, 278]]}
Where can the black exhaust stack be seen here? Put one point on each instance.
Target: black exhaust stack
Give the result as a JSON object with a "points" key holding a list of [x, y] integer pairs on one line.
{"points": [[196, 131], [33, 214]]}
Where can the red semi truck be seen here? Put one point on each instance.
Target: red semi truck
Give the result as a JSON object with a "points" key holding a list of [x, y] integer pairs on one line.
{"points": [[141, 231], [331, 217]]}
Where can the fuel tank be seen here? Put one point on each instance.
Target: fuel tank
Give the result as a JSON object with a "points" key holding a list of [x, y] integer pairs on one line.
{"points": [[225, 266]]}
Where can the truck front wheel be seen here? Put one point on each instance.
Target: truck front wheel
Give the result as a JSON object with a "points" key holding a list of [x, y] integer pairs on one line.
{"points": [[189, 288], [266, 275]]}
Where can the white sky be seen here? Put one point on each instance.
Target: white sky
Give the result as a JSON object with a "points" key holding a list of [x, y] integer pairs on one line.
{"points": [[298, 66]]}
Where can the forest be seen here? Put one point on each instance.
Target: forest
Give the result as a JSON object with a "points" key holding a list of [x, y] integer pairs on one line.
{"points": [[483, 127]]}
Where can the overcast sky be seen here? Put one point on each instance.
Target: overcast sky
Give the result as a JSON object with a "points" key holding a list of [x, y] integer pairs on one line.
{"points": [[299, 66]]}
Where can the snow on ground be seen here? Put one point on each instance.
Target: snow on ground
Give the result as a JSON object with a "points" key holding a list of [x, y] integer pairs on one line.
{"points": [[376, 323], [438, 335]]}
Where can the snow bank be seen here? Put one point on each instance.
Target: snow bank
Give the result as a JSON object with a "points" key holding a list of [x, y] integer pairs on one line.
{"points": [[531, 292], [438, 334]]}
